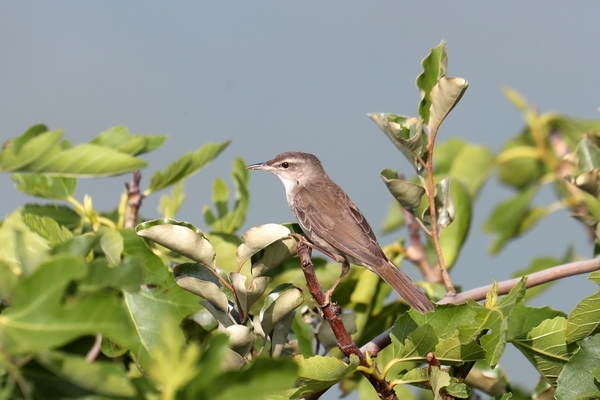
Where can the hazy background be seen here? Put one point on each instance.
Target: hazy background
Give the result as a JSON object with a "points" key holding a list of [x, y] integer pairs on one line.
{"points": [[277, 76]]}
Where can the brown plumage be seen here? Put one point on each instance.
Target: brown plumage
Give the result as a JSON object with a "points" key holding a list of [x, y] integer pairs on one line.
{"points": [[333, 223]]}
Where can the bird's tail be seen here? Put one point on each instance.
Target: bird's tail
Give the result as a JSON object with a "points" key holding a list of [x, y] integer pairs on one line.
{"points": [[405, 287]]}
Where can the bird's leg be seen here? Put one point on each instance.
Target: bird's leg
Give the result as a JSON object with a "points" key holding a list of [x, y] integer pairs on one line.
{"points": [[329, 293]]}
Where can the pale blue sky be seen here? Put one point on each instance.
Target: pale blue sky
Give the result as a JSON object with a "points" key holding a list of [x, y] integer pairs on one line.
{"points": [[277, 76]]}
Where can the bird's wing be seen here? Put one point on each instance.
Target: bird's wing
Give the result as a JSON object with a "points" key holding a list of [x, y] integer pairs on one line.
{"points": [[335, 217]]}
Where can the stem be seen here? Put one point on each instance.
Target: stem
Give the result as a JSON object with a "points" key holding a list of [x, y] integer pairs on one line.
{"points": [[435, 234]]}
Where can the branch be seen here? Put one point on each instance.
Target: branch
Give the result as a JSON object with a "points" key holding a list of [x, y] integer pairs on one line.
{"points": [[383, 340], [535, 279], [415, 252], [332, 314], [134, 200]]}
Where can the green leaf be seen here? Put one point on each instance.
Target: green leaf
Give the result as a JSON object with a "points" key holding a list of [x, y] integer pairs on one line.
{"points": [[100, 377], [64, 215], [261, 379], [585, 317], [229, 220], [181, 237], [507, 219], [22, 249], [241, 338], [319, 372], [394, 218], [406, 134], [47, 228], [408, 194], [39, 319], [111, 243], [444, 96], [414, 335], [59, 188], [434, 68], [588, 153], [259, 238], [185, 166], [520, 164], [546, 348], [468, 163], [280, 302], [128, 275], [85, 160], [453, 237], [170, 205], [576, 381], [200, 280], [19, 152], [120, 139]]}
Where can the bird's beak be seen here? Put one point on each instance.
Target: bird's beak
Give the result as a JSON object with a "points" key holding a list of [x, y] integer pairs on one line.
{"points": [[258, 166]]}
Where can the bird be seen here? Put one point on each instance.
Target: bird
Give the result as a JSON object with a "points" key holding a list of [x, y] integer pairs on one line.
{"points": [[334, 225]]}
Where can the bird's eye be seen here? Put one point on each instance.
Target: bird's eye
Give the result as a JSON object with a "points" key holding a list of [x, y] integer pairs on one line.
{"points": [[285, 165]]}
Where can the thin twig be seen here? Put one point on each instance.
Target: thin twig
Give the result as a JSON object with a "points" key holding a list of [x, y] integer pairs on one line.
{"points": [[94, 351], [435, 233]]}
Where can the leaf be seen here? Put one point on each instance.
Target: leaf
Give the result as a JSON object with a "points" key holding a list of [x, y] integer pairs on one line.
{"points": [[576, 380], [588, 153], [319, 372], [200, 280], [185, 166], [38, 320], [59, 188], [175, 362], [226, 220], [280, 302], [252, 383], [241, 338], [119, 138], [258, 238], [406, 134], [454, 236], [127, 275], [23, 249], [47, 228], [181, 237], [546, 348], [100, 377], [19, 152], [507, 219], [170, 205], [111, 243], [414, 335], [64, 215], [470, 164], [408, 194], [444, 96], [434, 68], [585, 317], [85, 160]]}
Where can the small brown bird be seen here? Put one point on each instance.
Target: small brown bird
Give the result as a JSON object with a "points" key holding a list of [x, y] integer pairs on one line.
{"points": [[333, 223]]}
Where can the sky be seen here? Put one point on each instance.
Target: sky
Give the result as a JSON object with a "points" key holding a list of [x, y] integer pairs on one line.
{"points": [[280, 76]]}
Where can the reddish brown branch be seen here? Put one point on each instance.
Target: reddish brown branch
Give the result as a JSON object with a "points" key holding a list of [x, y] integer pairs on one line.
{"points": [[332, 314]]}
